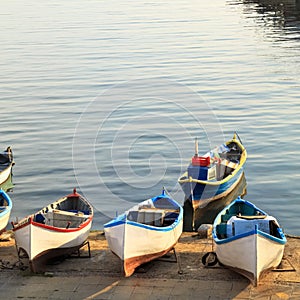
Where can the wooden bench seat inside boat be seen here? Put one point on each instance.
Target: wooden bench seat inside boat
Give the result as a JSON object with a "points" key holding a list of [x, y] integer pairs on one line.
{"points": [[63, 219], [153, 216], [237, 225]]}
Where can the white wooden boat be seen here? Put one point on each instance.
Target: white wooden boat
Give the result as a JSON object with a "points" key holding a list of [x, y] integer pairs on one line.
{"points": [[57, 230], [6, 164], [145, 232], [5, 210], [248, 240]]}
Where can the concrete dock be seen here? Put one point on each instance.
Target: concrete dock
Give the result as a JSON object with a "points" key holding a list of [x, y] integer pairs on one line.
{"points": [[100, 277]]}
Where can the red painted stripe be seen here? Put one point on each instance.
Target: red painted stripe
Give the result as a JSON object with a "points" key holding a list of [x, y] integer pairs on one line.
{"points": [[24, 224], [52, 228]]}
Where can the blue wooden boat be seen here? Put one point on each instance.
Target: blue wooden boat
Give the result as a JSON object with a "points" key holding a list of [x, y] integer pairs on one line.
{"points": [[215, 174], [248, 240]]}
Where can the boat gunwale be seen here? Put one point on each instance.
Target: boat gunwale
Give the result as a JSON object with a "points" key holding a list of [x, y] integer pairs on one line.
{"points": [[144, 226], [8, 207], [122, 219], [200, 203], [29, 220], [257, 232], [24, 223], [281, 240]]}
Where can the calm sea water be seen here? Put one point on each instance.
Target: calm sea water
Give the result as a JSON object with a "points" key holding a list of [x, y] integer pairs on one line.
{"points": [[108, 96]]}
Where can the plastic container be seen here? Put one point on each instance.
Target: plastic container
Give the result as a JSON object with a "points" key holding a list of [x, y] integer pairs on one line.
{"points": [[201, 161]]}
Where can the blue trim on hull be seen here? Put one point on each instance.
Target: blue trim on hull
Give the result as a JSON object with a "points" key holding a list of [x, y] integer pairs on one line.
{"points": [[281, 240], [122, 219], [8, 207], [205, 191]]}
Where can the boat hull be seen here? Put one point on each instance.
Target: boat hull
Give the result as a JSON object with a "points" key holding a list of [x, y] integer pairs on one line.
{"points": [[194, 217], [58, 229], [7, 185], [146, 231], [6, 165], [5, 210], [4, 220], [251, 255], [4, 175], [42, 243], [248, 240], [204, 193], [37, 265], [136, 244]]}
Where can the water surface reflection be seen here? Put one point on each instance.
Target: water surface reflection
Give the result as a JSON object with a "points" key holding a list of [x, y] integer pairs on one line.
{"points": [[282, 17]]}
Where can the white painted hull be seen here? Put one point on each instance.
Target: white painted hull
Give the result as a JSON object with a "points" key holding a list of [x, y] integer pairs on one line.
{"points": [[138, 241], [251, 256], [35, 239], [5, 210], [115, 237], [136, 245], [59, 233], [4, 218], [248, 240], [4, 175], [147, 231]]}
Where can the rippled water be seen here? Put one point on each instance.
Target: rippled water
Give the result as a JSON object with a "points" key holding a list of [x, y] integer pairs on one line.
{"points": [[109, 96]]}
